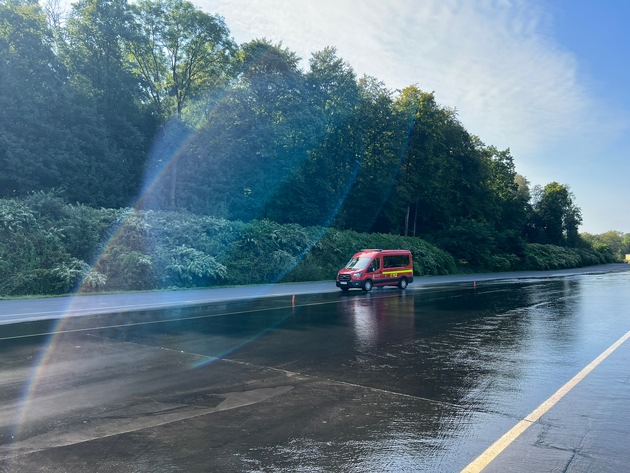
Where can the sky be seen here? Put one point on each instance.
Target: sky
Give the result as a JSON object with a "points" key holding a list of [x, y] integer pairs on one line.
{"points": [[546, 79]]}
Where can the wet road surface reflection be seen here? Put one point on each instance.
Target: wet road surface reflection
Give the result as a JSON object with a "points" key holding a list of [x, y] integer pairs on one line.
{"points": [[421, 380]]}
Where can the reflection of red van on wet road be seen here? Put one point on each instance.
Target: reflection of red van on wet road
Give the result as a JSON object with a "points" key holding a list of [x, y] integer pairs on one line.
{"points": [[369, 268]]}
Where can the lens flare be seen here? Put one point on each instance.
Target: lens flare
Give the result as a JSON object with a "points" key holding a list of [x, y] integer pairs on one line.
{"points": [[171, 145]]}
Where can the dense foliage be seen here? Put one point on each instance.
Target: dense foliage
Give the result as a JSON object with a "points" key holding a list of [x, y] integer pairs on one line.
{"points": [[151, 106], [615, 243], [50, 247]]}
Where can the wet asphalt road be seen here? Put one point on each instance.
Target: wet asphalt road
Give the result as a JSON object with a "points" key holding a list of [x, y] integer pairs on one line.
{"points": [[421, 380]]}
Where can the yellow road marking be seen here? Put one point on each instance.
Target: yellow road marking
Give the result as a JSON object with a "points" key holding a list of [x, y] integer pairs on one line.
{"points": [[497, 447]]}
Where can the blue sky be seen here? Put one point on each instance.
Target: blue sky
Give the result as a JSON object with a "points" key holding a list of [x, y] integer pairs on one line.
{"points": [[547, 79]]}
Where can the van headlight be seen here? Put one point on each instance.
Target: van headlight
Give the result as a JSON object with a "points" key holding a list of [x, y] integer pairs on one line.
{"points": [[357, 275]]}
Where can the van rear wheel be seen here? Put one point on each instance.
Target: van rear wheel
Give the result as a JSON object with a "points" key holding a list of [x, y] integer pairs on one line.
{"points": [[402, 284], [367, 286]]}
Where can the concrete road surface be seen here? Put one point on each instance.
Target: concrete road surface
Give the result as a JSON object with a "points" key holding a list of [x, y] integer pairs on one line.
{"points": [[422, 380]]}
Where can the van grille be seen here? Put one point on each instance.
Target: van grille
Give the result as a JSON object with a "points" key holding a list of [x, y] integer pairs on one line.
{"points": [[344, 277]]}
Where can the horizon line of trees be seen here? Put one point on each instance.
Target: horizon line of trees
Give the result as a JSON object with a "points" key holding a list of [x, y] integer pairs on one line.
{"points": [[152, 104]]}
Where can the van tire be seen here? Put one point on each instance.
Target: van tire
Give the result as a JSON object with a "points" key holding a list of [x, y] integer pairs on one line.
{"points": [[402, 284], [367, 285], [345, 289]]}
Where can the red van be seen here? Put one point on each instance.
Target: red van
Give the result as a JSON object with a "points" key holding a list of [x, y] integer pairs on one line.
{"points": [[369, 268]]}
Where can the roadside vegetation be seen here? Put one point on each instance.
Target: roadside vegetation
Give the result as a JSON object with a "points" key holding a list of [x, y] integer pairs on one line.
{"points": [[616, 243], [142, 148], [50, 247]]}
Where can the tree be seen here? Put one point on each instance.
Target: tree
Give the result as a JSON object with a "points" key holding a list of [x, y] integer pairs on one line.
{"points": [[522, 187], [617, 243], [508, 200], [179, 52], [31, 98], [282, 128], [440, 172], [556, 218], [378, 137], [328, 174], [54, 13], [256, 136], [96, 34]]}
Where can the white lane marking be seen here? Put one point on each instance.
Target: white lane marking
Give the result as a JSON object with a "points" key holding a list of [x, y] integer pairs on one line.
{"points": [[497, 447], [177, 319], [97, 310]]}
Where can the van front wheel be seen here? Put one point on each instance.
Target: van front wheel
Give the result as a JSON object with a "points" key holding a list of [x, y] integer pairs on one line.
{"points": [[367, 286], [402, 284]]}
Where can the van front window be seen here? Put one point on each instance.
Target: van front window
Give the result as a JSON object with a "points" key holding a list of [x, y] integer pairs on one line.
{"points": [[358, 263]]}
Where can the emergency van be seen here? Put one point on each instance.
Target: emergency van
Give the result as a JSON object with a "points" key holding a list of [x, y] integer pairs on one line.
{"points": [[376, 267]]}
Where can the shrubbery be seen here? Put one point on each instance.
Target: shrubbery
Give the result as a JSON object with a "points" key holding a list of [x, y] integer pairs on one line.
{"points": [[50, 247], [542, 257], [33, 257]]}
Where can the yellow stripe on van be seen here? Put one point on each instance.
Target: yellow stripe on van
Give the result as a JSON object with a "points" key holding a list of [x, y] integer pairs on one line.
{"points": [[400, 271]]}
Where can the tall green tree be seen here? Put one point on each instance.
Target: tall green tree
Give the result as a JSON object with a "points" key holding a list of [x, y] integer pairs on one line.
{"points": [[282, 119], [333, 163], [94, 51], [508, 198], [179, 52], [439, 172], [556, 218], [490, 215], [256, 137], [33, 139], [378, 134]]}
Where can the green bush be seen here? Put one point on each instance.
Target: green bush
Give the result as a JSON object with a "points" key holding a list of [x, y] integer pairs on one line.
{"points": [[183, 266], [30, 249], [544, 257]]}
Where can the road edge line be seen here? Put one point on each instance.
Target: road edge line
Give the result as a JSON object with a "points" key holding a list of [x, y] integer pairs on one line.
{"points": [[497, 447]]}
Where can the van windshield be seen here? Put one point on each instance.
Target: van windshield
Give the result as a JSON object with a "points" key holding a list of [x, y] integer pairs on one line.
{"points": [[358, 263]]}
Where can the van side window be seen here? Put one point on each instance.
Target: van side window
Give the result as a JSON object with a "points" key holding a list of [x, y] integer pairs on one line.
{"points": [[375, 265], [396, 261]]}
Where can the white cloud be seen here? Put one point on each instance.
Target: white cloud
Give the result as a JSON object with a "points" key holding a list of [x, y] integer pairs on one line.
{"points": [[488, 59]]}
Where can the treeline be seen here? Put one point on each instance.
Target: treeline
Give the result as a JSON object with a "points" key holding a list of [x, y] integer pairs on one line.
{"points": [[616, 243], [50, 247]]}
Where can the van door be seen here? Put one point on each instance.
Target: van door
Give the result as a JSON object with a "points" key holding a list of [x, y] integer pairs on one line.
{"points": [[375, 271]]}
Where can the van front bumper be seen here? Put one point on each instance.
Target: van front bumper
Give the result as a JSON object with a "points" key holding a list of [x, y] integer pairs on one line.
{"points": [[350, 284]]}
